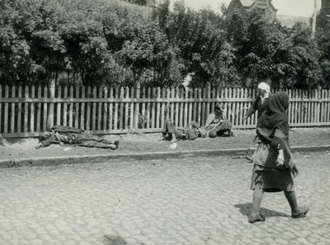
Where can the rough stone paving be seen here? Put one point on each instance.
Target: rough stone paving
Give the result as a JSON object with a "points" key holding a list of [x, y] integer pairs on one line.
{"points": [[196, 200], [191, 199]]}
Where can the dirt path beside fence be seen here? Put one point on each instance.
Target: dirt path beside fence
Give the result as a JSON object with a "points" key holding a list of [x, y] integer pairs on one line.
{"points": [[148, 143]]}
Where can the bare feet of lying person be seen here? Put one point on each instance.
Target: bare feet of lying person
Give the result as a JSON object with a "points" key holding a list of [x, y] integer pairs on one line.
{"points": [[112, 147], [117, 144], [174, 139]]}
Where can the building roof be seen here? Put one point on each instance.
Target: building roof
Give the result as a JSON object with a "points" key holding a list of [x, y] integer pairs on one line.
{"points": [[247, 3]]}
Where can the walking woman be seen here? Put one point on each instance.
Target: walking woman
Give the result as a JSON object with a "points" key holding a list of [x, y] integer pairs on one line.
{"points": [[273, 168]]}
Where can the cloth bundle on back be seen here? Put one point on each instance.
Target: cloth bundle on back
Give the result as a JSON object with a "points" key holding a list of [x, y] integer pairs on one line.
{"points": [[273, 127]]}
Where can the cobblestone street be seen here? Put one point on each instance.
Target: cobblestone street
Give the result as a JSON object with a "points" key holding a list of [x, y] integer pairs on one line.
{"points": [[175, 201]]}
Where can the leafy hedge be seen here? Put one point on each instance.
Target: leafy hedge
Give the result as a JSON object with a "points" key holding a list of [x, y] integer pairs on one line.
{"points": [[93, 42]]}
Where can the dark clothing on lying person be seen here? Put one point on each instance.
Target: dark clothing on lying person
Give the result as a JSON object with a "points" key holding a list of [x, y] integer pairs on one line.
{"points": [[192, 132], [80, 137], [53, 138], [69, 135]]}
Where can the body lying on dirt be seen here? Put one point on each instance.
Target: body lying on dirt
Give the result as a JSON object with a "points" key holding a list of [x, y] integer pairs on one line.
{"points": [[63, 135], [216, 125], [191, 132]]}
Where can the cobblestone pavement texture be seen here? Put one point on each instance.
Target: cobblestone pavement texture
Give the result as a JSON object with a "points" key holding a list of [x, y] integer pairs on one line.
{"points": [[196, 200], [13, 150]]}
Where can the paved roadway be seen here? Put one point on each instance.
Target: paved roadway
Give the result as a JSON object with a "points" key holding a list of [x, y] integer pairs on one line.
{"points": [[174, 201]]}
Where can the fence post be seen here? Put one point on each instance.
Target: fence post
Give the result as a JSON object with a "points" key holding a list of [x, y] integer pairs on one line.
{"points": [[207, 95], [137, 106], [50, 118], [5, 121], [318, 105]]}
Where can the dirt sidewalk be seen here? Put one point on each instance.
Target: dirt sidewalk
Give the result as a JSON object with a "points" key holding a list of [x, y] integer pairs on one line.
{"points": [[14, 150]]}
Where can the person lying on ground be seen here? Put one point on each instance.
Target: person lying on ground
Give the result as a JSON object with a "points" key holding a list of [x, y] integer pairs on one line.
{"points": [[63, 135], [217, 125], [191, 132]]}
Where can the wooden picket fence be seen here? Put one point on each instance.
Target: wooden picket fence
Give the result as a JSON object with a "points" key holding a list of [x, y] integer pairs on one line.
{"points": [[25, 112]]}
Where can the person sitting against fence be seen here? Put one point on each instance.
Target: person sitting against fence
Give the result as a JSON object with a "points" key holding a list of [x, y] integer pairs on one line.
{"points": [[216, 123], [191, 132], [63, 135]]}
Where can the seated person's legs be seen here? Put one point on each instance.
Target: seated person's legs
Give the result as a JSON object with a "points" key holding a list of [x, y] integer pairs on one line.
{"points": [[223, 133], [213, 134], [223, 129], [169, 129]]}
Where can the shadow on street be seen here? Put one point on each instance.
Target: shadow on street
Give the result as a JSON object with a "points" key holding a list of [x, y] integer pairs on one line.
{"points": [[245, 209], [114, 240]]}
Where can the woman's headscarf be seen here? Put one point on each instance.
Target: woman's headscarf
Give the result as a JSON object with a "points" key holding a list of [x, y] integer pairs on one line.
{"points": [[273, 126], [264, 86], [275, 116]]}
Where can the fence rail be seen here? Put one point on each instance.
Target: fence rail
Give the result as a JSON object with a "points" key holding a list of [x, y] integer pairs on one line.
{"points": [[28, 111]]}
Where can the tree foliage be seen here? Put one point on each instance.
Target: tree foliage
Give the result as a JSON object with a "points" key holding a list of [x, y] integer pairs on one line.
{"points": [[289, 56], [323, 40], [95, 42]]}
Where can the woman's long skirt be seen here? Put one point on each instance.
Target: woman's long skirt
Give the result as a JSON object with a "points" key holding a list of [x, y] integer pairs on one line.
{"points": [[268, 178]]}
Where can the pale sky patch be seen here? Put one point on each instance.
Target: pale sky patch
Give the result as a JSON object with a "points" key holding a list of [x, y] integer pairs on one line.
{"points": [[304, 8]]}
